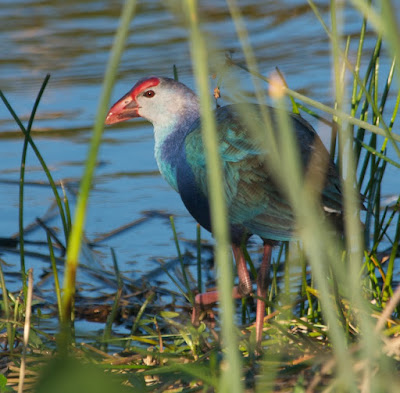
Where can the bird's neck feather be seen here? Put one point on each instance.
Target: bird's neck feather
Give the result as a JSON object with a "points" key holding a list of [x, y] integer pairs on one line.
{"points": [[169, 137]]}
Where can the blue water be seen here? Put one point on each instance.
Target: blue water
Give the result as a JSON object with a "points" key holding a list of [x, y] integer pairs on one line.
{"points": [[71, 41]]}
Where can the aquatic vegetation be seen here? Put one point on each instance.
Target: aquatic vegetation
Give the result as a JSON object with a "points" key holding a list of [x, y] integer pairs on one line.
{"points": [[332, 307]]}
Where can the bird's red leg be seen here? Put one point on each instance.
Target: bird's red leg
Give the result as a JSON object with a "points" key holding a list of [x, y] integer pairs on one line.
{"points": [[262, 286], [202, 300], [245, 287]]}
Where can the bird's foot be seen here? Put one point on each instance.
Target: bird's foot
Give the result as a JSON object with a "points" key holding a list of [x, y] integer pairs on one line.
{"points": [[204, 302], [202, 309]]}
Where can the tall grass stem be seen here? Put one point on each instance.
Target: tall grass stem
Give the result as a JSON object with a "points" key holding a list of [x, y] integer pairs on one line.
{"points": [[231, 377], [74, 246]]}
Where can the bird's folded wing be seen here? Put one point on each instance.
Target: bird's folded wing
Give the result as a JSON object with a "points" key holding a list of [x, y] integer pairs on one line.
{"points": [[252, 197]]}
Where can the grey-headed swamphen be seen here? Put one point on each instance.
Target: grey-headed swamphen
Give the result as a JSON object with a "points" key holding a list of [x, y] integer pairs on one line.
{"points": [[255, 203]]}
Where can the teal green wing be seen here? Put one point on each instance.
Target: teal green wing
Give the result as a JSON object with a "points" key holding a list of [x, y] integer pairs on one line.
{"points": [[253, 199]]}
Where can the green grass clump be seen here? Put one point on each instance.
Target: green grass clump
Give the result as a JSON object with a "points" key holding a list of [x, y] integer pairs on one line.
{"points": [[333, 314]]}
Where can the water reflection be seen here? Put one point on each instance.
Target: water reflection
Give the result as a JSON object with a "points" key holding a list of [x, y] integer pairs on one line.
{"points": [[71, 40]]}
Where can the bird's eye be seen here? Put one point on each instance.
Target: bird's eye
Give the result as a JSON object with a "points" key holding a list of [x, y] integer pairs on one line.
{"points": [[149, 93]]}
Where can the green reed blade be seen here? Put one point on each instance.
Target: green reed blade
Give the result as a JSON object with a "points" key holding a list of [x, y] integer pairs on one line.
{"points": [[7, 314], [230, 380], [74, 246], [40, 158], [198, 259], [180, 257]]}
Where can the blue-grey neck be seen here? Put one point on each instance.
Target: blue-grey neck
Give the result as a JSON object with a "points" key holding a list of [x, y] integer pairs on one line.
{"points": [[169, 142], [172, 108]]}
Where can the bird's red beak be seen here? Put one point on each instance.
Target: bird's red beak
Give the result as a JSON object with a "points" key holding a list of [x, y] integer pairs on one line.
{"points": [[124, 109]]}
